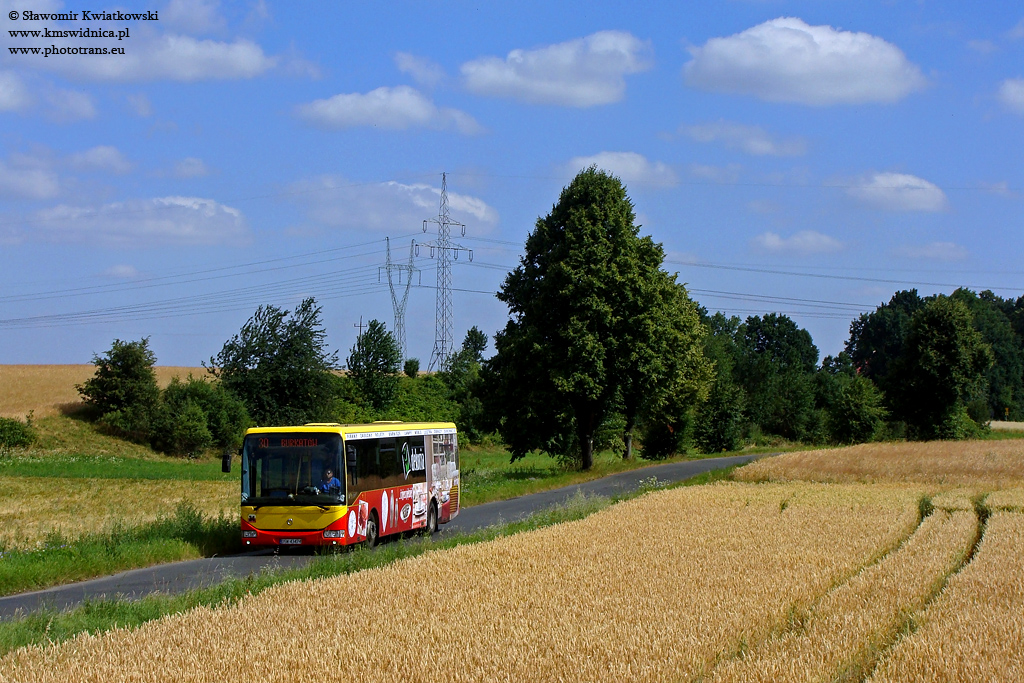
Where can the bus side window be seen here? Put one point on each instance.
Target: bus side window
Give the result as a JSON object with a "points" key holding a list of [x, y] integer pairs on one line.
{"points": [[351, 465]]}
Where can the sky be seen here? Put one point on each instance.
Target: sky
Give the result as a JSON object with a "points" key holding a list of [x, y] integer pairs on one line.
{"points": [[808, 158]]}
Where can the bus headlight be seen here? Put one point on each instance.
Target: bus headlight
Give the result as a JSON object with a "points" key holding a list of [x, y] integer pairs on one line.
{"points": [[248, 534], [334, 533]]}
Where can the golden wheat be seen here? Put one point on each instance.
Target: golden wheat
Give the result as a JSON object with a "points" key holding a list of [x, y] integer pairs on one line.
{"points": [[31, 507], [991, 464], [840, 636], [956, 499], [656, 588], [49, 389], [974, 631], [1007, 499]]}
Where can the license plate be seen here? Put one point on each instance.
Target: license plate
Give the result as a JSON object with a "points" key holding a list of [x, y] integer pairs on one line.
{"points": [[291, 541]]}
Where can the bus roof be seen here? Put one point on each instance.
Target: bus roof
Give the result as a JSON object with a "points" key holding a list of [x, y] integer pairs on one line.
{"points": [[336, 428]]}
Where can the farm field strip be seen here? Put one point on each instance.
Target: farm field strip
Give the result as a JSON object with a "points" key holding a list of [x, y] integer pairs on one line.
{"points": [[984, 465], [31, 508], [974, 630], [1007, 499], [841, 636], [956, 499], [655, 588]]}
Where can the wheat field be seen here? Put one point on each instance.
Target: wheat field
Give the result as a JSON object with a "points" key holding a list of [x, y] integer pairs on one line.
{"points": [[32, 507], [658, 588], [50, 389], [980, 464], [974, 631]]}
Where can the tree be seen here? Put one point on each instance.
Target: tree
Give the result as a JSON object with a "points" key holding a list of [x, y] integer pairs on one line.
{"points": [[374, 363], [942, 367], [279, 365], [718, 422], [587, 287], [475, 344], [851, 404], [877, 338], [123, 392], [411, 367], [776, 365], [1004, 397]]}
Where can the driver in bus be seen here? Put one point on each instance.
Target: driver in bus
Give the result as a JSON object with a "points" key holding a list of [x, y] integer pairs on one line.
{"points": [[330, 483]]}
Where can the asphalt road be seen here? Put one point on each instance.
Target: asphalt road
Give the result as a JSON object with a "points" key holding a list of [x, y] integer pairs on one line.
{"points": [[178, 577]]}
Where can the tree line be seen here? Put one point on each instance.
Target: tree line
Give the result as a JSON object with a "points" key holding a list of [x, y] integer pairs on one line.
{"points": [[603, 349]]}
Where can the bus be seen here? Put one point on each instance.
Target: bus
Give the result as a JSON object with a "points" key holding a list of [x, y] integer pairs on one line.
{"points": [[328, 484]]}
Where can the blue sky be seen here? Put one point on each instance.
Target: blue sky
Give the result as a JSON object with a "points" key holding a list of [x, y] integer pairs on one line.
{"points": [[803, 157]]}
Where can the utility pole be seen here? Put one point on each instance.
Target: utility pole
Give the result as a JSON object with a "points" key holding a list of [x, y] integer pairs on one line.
{"points": [[444, 250], [399, 302], [359, 339]]}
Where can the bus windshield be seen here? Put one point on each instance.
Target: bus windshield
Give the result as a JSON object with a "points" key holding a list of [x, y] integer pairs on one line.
{"points": [[293, 469]]}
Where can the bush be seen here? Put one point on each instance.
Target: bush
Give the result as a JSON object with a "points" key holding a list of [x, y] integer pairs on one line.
{"points": [[124, 381], [855, 413], [411, 367], [224, 418], [15, 433]]}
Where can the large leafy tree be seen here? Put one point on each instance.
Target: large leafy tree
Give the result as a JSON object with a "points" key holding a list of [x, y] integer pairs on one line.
{"points": [[775, 367], [876, 338], [373, 365], [585, 303], [942, 367], [279, 365]]}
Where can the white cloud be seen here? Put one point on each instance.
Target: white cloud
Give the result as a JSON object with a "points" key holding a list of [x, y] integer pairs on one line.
{"points": [[628, 166], [193, 16], [424, 71], [578, 73], [171, 57], [936, 251], [1011, 94], [336, 202], [985, 47], [143, 223], [103, 157], [122, 272], [750, 139], [27, 183], [786, 60], [803, 242], [398, 108], [899, 192], [191, 167], [1017, 32], [13, 93], [140, 104], [718, 174], [70, 105]]}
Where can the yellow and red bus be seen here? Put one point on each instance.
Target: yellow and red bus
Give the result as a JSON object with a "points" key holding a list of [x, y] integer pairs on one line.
{"points": [[333, 484]]}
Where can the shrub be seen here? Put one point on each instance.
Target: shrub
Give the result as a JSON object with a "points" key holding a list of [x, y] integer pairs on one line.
{"points": [[411, 367], [123, 393], [15, 433], [196, 414]]}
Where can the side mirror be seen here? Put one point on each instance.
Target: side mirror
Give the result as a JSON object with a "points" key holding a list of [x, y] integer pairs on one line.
{"points": [[225, 462]]}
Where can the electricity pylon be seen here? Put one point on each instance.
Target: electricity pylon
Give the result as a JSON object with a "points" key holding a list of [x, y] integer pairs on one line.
{"points": [[444, 250], [399, 302]]}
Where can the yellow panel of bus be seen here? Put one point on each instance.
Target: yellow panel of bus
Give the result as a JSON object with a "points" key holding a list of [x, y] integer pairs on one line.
{"points": [[334, 484]]}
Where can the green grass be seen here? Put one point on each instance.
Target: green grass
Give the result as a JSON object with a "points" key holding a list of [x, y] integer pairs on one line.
{"points": [[186, 533], [50, 626], [32, 463]]}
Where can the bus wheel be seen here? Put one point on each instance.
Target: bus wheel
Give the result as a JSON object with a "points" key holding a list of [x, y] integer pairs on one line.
{"points": [[372, 530], [432, 519]]}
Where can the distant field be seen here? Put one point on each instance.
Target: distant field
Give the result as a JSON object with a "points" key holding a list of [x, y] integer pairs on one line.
{"points": [[50, 389], [999, 426]]}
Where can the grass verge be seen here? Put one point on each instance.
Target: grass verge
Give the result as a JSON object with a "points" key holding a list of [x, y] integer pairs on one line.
{"points": [[51, 626], [185, 534]]}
